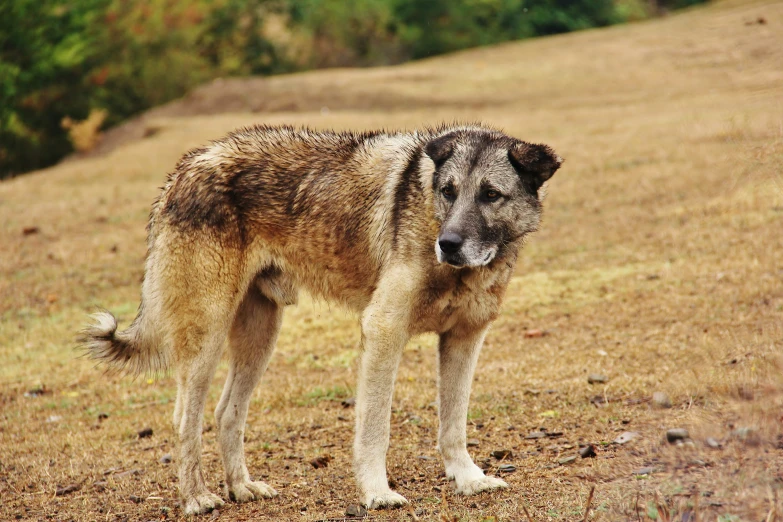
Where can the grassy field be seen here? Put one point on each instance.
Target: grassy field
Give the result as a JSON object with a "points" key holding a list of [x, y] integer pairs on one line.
{"points": [[659, 265]]}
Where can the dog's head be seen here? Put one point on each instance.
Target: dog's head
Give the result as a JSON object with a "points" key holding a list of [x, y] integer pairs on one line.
{"points": [[486, 193]]}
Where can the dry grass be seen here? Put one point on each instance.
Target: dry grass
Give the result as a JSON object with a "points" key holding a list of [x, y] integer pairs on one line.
{"points": [[660, 265]]}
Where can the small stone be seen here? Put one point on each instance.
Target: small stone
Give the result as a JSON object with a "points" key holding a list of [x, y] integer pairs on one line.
{"points": [[350, 402], [587, 452], [355, 510], [38, 391], [59, 492], [598, 400], [507, 468], [712, 443], [419, 512], [536, 435], [321, 462], [52, 419], [472, 443], [135, 499], [567, 460], [146, 432], [597, 378], [320, 502], [626, 437], [675, 434], [661, 400], [126, 474], [644, 471], [502, 454], [215, 514], [166, 459], [746, 393]]}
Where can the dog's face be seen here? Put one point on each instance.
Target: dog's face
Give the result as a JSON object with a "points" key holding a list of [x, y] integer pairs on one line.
{"points": [[486, 188]]}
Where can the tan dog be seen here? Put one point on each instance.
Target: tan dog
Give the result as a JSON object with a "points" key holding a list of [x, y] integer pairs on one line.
{"points": [[417, 231]]}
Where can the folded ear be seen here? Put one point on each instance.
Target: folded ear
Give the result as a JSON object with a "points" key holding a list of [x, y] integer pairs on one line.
{"points": [[440, 149], [534, 163]]}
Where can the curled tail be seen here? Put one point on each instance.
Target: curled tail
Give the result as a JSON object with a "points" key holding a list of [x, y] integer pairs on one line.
{"points": [[135, 350]]}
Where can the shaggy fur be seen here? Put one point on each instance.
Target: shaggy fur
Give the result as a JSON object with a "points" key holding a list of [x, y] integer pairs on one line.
{"points": [[416, 231]]}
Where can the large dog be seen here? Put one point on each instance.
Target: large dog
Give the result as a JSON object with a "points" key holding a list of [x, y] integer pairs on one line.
{"points": [[417, 231]]}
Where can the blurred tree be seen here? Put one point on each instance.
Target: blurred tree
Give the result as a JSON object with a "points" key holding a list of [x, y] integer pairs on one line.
{"points": [[430, 28], [46, 49], [234, 40]]}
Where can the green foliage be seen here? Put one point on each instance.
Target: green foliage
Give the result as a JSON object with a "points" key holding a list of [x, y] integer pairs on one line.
{"points": [[347, 33], [46, 48], [65, 58], [430, 28], [61, 58]]}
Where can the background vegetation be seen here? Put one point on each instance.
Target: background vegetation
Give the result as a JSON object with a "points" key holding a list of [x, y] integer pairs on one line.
{"points": [[101, 61]]}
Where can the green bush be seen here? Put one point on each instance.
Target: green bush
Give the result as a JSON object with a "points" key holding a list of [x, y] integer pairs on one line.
{"points": [[430, 28], [46, 50]]}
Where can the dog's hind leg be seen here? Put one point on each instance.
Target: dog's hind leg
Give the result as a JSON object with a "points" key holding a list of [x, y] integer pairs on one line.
{"points": [[251, 342], [195, 370], [457, 357], [198, 294]]}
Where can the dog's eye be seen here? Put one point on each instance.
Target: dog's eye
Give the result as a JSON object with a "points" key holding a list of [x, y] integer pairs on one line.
{"points": [[492, 195], [448, 192]]}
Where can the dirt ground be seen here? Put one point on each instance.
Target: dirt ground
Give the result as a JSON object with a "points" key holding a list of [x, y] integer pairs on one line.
{"points": [[659, 266]]}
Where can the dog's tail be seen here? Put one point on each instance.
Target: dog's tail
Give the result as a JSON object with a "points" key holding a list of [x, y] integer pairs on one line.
{"points": [[136, 350]]}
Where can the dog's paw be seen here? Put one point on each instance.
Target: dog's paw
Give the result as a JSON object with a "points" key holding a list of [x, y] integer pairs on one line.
{"points": [[384, 499], [202, 503], [471, 487], [247, 491]]}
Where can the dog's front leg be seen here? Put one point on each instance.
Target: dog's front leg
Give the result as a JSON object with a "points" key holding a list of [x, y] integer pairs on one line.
{"points": [[384, 334], [457, 356]]}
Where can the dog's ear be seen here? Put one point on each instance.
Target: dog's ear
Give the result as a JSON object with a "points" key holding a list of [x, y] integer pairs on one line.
{"points": [[440, 149], [534, 163]]}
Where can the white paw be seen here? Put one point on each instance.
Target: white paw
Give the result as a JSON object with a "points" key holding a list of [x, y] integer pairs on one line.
{"points": [[384, 499], [202, 503], [471, 487], [247, 491]]}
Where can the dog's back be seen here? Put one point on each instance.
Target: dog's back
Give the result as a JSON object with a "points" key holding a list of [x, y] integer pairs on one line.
{"points": [[313, 204]]}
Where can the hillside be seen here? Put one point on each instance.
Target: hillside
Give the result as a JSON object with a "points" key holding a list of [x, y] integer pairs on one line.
{"points": [[659, 265]]}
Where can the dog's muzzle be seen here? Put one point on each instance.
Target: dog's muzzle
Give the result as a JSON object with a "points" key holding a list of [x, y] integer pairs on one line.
{"points": [[453, 249]]}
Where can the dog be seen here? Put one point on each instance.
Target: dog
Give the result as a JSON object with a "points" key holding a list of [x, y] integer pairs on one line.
{"points": [[418, 232]]}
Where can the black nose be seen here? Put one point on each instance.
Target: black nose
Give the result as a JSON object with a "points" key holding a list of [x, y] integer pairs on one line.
{"points": [[450, 242]]}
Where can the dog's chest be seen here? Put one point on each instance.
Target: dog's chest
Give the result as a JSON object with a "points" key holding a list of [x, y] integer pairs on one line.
{"points": [[464, 298]]}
